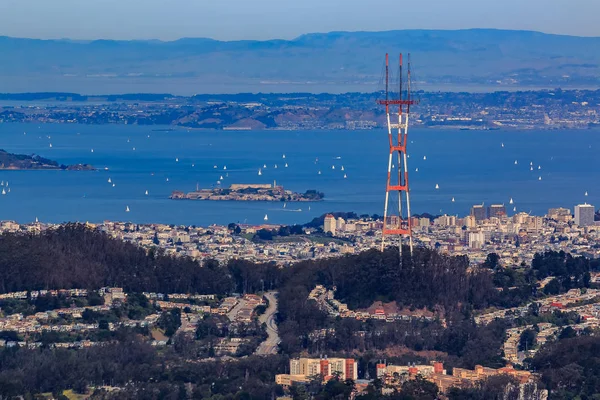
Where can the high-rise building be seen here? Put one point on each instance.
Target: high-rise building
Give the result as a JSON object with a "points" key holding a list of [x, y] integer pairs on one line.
{"points": [[479, 212], [476, 240], [496, 210], [584, 214], [329, 224], [340, 224]]}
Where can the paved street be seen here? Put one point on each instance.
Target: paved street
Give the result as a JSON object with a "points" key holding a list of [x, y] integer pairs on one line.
{"points": [[270, 345]]}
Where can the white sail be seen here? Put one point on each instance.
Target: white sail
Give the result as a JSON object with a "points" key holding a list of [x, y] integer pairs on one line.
{"points": [[126, 208], [437, 186], [266, 218]]}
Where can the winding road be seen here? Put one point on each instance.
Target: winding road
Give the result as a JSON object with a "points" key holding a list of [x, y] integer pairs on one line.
{"points": [[271, 344]]}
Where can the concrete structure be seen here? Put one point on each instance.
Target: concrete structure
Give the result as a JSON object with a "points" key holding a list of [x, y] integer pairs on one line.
{"points": [[584, 214], [329, 224], [345, 368], [479, 212], [496, 210]]}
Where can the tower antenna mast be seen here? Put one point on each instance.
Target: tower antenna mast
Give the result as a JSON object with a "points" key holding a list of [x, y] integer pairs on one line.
{"points": [[397, 225]]}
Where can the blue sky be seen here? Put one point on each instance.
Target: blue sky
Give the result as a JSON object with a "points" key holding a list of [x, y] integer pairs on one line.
{"points": [[267, 19]]}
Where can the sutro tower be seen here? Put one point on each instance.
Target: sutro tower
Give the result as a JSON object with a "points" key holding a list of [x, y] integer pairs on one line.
{"points": [[400, 224]]}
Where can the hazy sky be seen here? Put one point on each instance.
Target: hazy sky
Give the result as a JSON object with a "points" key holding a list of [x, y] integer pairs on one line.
{"points": [[266, 19]]}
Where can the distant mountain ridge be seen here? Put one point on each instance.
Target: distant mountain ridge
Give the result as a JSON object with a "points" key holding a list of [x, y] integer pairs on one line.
{"points": [[315, 62]]}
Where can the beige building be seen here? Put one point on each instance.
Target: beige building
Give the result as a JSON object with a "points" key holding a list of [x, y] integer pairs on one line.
{"points": [[329, 225]]}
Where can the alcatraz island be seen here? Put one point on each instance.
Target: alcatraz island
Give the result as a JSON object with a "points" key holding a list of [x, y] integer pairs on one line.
{"points": [[248, 192]]}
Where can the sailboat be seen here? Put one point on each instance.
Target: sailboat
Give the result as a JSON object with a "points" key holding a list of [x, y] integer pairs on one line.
{"points": [[36, 220], [453, 199], [3, 191], [502, 144], [128, 140], [146, 193], [126, 208], [342, 167], [266, 218], [177, 160], [283, 156], [114, 185], [2, 183], [308, 208], [585, 194], [539, 167], [515, 209], [224, 167], [92, 150], [214, 166], [221, 178], [531, 163], [511, 201], [531, 168], [284, 205], [275, 166], [417, 169], [516, 162], [333, 167], [319, 172], [265, 166], [167, 179], [259, 172], [286, 165], [193, 165], [50, 144], [540, 178], [109, 180], [345, 176], [437, 186], [393, 166]]}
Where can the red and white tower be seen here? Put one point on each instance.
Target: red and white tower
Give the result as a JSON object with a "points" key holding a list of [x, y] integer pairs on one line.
{"points": [[399, 224]]}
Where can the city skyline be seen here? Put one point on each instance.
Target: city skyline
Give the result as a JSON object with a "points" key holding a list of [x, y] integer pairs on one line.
{"points": [[270, 19]]}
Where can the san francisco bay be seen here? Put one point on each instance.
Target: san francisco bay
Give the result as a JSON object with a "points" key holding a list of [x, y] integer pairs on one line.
{"points": [[553, 168]]}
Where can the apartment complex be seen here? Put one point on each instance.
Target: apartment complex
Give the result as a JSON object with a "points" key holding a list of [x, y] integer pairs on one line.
{"points": [[303, 369]]}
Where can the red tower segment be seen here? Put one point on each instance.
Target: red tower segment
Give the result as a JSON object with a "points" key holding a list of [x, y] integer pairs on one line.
{"points": [[400, 225]]}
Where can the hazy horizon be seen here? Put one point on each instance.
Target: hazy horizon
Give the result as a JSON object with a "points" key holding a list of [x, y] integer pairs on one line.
{"points": [[289, 39], [276, 19]]}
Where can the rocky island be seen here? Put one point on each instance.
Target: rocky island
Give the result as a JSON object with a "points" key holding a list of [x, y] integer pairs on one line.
{"points": [[12, 161], [248, 192]]}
